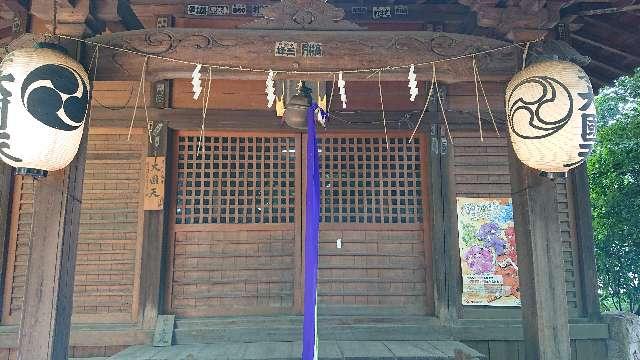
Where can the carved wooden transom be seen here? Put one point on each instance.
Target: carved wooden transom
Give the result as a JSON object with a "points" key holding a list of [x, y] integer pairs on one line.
{"points": [[302, 15]]}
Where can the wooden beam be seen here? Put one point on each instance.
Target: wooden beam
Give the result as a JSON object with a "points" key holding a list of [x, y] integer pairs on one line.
{"points": [[48, 300], [154, 240], [611, 10], [609, 67], [544, 299], [608, 27], [191, 119], [605, 47], [579, 187], [255, 49]]}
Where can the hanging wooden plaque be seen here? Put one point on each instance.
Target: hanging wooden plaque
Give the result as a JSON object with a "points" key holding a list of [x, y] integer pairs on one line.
{"points": [[154, 183]]}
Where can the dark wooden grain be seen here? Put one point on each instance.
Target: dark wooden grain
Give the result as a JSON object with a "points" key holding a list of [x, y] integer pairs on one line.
{"points": [[437, 226], [6, 191], [45, 326], [584, 232], [154, 238], [255, 49], [544, 300]]}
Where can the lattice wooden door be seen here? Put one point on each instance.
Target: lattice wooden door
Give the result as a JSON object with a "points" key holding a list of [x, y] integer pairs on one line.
{"points": [[236, 244], [373, 204], [235, 220]]}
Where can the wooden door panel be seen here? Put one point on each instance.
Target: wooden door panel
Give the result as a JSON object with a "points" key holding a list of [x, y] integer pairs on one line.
{"points": [[373, 199], [229, 272], [374, 270], [235, 212]]}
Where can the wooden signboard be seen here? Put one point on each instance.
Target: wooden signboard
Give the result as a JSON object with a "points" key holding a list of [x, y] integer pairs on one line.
{"points": [[163, 335], [154, 183]]}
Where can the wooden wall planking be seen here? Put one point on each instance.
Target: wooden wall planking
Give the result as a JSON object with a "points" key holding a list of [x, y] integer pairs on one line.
{"points": [[364, 95], [110, 232], [115, 94], [110, 227], [249, 95], [482, 170], [225, 94], [18, 249]]}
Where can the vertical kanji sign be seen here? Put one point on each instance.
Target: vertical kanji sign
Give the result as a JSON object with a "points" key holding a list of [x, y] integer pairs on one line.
{"points": [[154, 183]]}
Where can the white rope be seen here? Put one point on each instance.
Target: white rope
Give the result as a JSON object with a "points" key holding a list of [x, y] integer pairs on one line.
{"points": [[486, 101], [426, 104], [140, 85], [475, 80], [384, 119], [294, 72], [525, 53], [333, 86], [205, 107], [95, 72]]}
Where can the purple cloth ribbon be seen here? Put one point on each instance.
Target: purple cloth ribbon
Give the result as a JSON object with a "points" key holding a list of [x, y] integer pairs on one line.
{"points": [[312, 224]]}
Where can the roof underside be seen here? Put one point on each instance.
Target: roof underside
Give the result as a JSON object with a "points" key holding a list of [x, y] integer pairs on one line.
{"points": [[607, 31]]}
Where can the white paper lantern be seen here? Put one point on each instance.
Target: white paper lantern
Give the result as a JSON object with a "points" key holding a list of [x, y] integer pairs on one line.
{"points": [[552, 116], [44, 95]]}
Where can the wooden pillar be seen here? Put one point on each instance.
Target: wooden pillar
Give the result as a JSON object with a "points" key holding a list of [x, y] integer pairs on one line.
{"points": [[544, 299], [436, 210], [579, 185], [48, 299], [442, 195], [45, 324], [154, 240], [6, 190]]}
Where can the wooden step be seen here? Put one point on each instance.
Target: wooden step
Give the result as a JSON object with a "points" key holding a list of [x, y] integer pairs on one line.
{"points": [[288, 329], [330, 350]]}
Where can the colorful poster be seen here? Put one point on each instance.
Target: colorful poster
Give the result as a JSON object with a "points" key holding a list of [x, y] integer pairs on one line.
{"points": [[488, 252]]}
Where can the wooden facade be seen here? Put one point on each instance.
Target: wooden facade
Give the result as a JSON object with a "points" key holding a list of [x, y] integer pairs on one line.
{"points": [[225, 253]]}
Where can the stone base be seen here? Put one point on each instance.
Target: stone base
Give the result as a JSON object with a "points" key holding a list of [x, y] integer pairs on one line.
{"points": [[624, 335]]}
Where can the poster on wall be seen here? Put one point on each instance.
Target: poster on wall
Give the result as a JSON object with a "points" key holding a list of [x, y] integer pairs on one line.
{"points": [[488, 252]]}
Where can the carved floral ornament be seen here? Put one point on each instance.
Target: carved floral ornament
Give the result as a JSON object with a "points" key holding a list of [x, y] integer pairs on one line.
{"points": [[302, 15]]}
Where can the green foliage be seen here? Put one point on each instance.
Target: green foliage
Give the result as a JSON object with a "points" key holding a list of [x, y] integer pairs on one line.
{"points": [[614, 176], [620, 101]]}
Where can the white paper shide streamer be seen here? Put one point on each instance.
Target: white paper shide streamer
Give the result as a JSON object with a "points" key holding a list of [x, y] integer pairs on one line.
{"points": [[413, 84], [343, 92], [195, 81], [270, 90]]}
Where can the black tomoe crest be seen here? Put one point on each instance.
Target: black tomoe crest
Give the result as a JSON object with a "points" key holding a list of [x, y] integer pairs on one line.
{"points": [[56, 95], [551, 90]]}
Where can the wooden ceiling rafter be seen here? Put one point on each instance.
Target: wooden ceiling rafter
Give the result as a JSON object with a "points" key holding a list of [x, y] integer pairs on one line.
{"points": [[518, 21], [608, 26], [609, 68], [610, 10], [608, 48]]}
